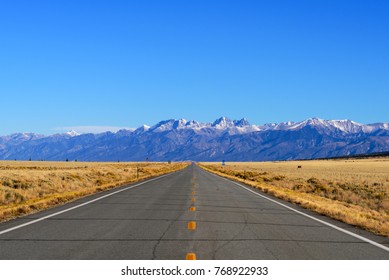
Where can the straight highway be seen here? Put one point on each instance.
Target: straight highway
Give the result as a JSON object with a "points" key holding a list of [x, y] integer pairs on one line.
{"points": [[190, 214]]}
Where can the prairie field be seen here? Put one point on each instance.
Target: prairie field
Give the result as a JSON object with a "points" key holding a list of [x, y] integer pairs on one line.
{"points": [[355, 191], [27, 187]]}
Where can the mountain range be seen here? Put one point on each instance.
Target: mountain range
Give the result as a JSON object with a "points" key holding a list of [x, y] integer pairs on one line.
{"points": [[224, 139]]}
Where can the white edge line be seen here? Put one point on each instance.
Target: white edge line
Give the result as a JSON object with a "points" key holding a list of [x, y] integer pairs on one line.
{"points": [[309, 216], [80, 205]]}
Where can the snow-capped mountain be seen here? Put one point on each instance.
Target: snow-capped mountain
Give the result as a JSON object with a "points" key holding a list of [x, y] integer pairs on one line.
{"points": [[329, 126], [72, 133], [223, 139]]}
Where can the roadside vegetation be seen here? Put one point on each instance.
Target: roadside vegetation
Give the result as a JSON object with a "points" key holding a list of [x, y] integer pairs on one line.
{"points": [[27, 187], [352, 191]]}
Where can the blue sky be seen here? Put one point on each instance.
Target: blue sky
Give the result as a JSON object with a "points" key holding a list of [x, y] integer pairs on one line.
{"points": [[127, 63]]}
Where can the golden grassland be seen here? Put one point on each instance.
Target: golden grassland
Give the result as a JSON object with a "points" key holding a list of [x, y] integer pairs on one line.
{"points": [[352, 191], [27, 187]]}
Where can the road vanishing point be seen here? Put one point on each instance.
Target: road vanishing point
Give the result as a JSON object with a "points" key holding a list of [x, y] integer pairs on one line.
{"points": [[190, 214]]}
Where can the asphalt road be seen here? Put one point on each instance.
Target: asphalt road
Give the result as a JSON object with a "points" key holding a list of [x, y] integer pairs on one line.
{"points": [[152, 221]]}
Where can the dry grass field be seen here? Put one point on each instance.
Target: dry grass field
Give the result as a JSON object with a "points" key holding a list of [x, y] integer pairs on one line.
{"points": [[26, 187], [352, 191]]}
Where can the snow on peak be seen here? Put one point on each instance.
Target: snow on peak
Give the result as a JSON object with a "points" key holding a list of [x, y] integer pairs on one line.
{"points": [[142, 129], [72, 133], [345, 126], [242, 123], [194, 125], [181, 123], [25, 136], [223, 123], [163, 125], [243, 126]]}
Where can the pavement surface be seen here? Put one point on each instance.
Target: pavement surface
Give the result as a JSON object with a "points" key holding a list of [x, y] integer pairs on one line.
{"points": [[190, 211]]}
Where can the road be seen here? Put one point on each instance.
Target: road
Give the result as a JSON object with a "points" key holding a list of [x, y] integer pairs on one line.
{"points": [[157, 220]]}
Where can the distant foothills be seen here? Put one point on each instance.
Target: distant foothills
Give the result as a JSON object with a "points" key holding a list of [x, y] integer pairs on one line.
{"points": [[224, 139]]}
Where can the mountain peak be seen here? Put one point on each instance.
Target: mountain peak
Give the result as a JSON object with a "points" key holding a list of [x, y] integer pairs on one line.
{"points": [[72, 133], [315, 120], [163, 125], [222, 123], [181, 123], [142, 129], [242, 123], [190, 140]]}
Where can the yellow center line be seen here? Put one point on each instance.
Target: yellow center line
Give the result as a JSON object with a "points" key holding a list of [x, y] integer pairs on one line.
{"points": [[192, 225], [191, 257]]}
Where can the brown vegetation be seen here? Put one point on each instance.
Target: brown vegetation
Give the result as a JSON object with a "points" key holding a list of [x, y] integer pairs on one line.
{"points": [[352, 191], [26, 187]]}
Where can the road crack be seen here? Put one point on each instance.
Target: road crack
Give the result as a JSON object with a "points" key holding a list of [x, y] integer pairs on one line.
{"points": [[160, 239]]}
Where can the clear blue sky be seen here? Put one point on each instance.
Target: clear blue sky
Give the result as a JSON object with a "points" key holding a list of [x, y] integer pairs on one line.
{"points": [[126, 63]]}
